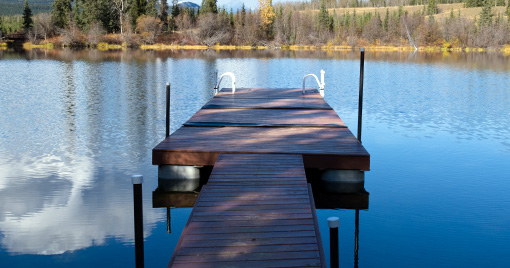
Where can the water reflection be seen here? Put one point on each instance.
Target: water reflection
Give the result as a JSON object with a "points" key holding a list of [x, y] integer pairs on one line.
{"points": [[69, 144], [495, 61]]}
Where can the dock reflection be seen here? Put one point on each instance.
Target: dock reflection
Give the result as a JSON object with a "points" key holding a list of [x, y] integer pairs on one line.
{"points": [[355, 201]]}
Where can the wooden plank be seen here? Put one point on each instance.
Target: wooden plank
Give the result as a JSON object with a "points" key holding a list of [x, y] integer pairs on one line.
{"points": [[240, 257], [216, 224], [243, 250], [253, 235], [269, 93], [267, 103], [195, 146], [229, 227], [197, 229], [269, 117], [249, 242], [254, 264]]}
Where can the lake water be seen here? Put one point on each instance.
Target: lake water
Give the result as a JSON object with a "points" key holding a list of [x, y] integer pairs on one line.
{"points": [[74, 127]]}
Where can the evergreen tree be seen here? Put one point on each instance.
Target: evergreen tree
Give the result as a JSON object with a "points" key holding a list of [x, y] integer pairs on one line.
{"points": [[138, 8], [208, 6], [243, 15], [151, 8], [231, 17], [474, 3], [28, 23], [175, 11], [323, 15], [163, 13], [60, 11], [89, 12], [486, 14], [386, 19], [79, 13], [508, 11], [432, 7]]}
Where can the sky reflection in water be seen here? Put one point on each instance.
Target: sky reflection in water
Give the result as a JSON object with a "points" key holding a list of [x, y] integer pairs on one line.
{"points": [[76, 125]]}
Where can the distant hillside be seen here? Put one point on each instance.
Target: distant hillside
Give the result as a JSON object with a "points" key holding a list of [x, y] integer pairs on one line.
{"points": [[444, 10], [189, 5], [15, 7]]}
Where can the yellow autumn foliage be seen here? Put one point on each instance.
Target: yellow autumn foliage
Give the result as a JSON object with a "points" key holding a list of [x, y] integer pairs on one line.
{"points": [[266, 11]]}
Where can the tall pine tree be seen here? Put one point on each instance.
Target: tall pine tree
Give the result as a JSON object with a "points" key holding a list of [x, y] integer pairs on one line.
{"points": [[323, 16], [508, 11], [138, 8], [209, 6], [60, 12], [151, 8], [28, 23], [163, 13], [432, 7], [486, 14]]}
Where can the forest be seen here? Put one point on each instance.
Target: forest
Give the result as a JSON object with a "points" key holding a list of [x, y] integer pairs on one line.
{"points": [[415, 23]]}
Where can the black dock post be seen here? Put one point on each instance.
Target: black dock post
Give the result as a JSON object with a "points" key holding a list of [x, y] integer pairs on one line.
{"points": [[168, 219], [360, 102], [333, 223], [167, 110], [138, 213]]}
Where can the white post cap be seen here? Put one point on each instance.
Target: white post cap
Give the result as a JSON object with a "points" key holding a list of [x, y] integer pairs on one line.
{"points": [[137, 179], [362, 50], [333, 222]]}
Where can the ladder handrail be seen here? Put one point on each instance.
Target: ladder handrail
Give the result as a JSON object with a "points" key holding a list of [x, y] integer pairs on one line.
{"points": [[232, 76], [321, 83]]}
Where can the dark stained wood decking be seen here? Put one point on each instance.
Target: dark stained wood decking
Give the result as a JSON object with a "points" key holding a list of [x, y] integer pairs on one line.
{"points": [[255, 211], [276, 121]]}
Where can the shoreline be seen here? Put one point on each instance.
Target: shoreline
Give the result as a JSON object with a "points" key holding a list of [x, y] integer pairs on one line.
{"points": [[160, 47]]}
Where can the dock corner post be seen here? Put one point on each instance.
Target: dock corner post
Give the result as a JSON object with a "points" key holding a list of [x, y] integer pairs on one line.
{"points": [[138, 216], [333, 223], [167, 133], [168, 221], [360, 102]]}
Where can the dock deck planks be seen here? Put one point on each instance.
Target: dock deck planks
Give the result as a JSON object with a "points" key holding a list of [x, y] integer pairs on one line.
{"points": [[262, 121], [257, 209], [270, 223]]}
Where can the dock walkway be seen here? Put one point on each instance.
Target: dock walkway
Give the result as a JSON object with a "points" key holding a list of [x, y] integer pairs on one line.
{"points": [[257, 209]]}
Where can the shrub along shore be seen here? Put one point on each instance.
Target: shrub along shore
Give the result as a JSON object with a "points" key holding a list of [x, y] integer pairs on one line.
{"points": [[387, 25]]}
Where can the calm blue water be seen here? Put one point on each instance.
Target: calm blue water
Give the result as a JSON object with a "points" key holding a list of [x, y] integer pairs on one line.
{"points": [[74, 126]]}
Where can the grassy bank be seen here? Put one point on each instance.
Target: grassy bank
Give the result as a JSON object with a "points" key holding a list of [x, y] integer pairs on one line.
{"points": [[105, 47]]}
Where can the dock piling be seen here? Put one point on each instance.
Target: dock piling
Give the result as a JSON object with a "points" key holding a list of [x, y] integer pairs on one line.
{"points": [[333, 223], [360, 101], [167, 133], [168, 221], [138, 216]]}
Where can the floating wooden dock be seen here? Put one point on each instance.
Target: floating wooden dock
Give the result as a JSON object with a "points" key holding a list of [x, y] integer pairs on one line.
{"points": [[257, 209], [267, 121]]}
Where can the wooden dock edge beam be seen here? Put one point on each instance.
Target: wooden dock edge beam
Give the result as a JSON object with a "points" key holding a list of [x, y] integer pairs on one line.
{"points": [[350, 162]]}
